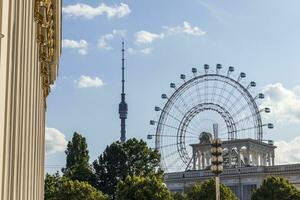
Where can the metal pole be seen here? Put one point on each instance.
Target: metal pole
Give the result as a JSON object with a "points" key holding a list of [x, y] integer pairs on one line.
{"points": [[215, 131], [218, 188], [240, 185]]}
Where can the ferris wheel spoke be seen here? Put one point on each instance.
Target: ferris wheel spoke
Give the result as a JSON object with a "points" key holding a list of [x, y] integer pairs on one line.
{"points": [[178, 120], [174, 161], [240, 110], [235, 103], [243, 129], [168, 145], [176, 128], [206, 91], [172, 136], [214, 89], [192, 141], [229, 95], [186, 141], [187, 110], [194, 105], [223, 128], [183, 114], [221, 93], [198, 92], [170, 154], [243, 119], [184, 104]]}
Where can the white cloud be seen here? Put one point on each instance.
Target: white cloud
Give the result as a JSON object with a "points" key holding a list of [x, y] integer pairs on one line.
{"points": [[119, 32], [55, 141], [142, 51], [89, 12], [145, 37], [147, 50], [186, 28], [103, 40], [87, 81], [81, 45], [284, 103], [131, 50], [285, 107], [287, 152]]}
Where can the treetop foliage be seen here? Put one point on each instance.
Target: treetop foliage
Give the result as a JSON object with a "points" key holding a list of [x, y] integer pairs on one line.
{"points": [[119, 160], [207, 191], [276, 188], [143, 188], [77, 160], [77, 151], [76, 190], [179, 196], [62, 188], [52, 185]]}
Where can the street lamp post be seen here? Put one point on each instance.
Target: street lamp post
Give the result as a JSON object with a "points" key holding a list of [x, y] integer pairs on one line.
{"points": [[216, 159]]}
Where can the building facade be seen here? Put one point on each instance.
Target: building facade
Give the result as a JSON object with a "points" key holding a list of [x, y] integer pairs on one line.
{"points": [[246, 162], [240, 180], [30, 46]]}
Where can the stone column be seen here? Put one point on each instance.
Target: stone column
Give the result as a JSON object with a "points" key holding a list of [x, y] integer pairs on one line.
{"points": [[207, 159], [265, 159], [239, 156], [199, 159], [273, 158], [202, 160], [248, 155], [194, 159], [230, 156], [256, 163]]}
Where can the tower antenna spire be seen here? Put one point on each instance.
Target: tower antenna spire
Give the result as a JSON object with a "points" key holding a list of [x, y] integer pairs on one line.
{"points": [[123, 68], [123, 108]]}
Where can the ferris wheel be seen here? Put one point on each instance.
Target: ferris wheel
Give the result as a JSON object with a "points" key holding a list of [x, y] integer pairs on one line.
{"points": [[189, 112]]}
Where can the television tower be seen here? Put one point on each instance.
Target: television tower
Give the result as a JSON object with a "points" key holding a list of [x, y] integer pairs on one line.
{"points": [[123, 108]]}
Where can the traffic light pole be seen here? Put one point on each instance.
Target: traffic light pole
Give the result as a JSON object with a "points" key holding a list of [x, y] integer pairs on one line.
{"points": [[218, 187], [217, 159]]}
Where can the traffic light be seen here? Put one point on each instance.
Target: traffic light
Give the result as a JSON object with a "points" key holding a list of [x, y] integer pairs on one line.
{"points": [[216, 156]]}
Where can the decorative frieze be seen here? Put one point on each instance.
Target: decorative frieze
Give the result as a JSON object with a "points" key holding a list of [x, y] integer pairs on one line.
{"points": [[45, 18]]}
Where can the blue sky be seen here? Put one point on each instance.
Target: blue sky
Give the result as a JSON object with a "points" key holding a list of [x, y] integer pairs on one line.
{"points": [[164, 39]]}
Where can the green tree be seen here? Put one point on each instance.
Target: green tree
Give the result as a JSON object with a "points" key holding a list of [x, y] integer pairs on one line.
{"points": [[110, 168], [62, 188], [119, 160], [143, 188], [76, 190], [77, 161], [141, 160], [207, 191], [179, 196], [193, 191], [276, 188], [52, 185]]}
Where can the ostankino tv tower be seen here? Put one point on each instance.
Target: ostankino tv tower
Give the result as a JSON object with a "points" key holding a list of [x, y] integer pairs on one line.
{"points": [[123, 108]]}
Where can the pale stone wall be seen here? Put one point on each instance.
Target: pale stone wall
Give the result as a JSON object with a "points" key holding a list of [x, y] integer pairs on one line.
{"points": [[23, 90]]}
